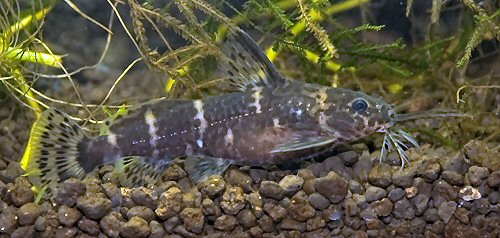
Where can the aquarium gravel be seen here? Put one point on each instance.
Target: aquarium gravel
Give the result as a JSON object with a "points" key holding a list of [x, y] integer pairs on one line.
{"points": [[441, 193]]}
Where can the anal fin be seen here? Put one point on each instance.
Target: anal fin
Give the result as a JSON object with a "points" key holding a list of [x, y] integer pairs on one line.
{"points": [[200, 168], [137, 171]]}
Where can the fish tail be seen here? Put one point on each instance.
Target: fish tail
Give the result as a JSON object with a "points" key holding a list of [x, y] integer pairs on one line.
{"points": [[52, 154]]}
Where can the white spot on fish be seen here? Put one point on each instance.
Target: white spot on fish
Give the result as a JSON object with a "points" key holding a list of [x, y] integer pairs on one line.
{"points": [[112, 139], [200, 116], [199, 142], [257, 95], [151, 121], [229, 137]]}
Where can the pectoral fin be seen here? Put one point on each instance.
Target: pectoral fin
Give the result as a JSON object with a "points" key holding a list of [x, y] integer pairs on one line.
{"points": [[300, 142]]}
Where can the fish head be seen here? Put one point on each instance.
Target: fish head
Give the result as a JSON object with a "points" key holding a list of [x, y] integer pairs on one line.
{"points": [[350, 115]]}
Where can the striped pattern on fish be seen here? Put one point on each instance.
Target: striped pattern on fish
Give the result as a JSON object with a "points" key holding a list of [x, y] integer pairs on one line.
{"points": [[265, 120]]}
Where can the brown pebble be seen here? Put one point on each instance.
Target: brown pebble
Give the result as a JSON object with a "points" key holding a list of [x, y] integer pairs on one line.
{"points": [[431, 172], [403, 209], [237, 178], [69, 191], [299, 208], [309, 186], [477, 175], [255, 231], [374, 193], [380, 175], [40, 223], [28, 213], [306, 174], [213, 185], [233, 200], [246, 218], [403, 178], [332, 187], [8, 221], [20, 193], [174, 173], [452, 177], [272, 190], [94, 207], [446, 210], [225, 223], [291, 183], [315, 223], [462, 215], [68, 216], [209, 208], [135, 227], [275, 211], [193, 219], [141, 211], [255, 201], [169, 203], [291, 224], [144, 197], [494, 179], [171, 223]]}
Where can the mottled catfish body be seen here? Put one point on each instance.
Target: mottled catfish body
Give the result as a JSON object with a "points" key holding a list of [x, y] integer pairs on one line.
{"points": [[269, 120]]}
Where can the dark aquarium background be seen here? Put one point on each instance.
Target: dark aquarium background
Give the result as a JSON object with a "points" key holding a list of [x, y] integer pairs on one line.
{"points": [[94, 59]]}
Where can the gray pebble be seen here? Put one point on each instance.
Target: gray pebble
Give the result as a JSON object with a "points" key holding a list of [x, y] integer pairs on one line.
{"points": [[291, 183], [157, 230], [68, 216], [94, 207], [494, 197], [374, 193], [446, 210], [23, 232], [135, 227], [171, 223], [455, 163], [403, 178], [246, 219], [350, 207], [193, 219], [28, 213], [40, 223], [69, 191], [8, 222], [421, 203], [318, 201], [403, 209], [113, 193], [266, 223], [356, 187], [335, 164], [332, 187], [141, 211], [477, 174], [453, 178], [494, 179], [174, 173], [396, 194], [144, 197], [275, 211], [431, 215], [89, 226], [481, 205], [110, 225], [225, 223], [209, 208], [272, 190], [258, 175], [349, 157]]}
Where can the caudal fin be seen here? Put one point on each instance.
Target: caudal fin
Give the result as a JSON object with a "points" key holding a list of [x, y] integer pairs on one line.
{"points": [[52, 152]]}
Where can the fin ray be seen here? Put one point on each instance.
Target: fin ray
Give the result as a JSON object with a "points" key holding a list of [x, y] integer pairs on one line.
{"points": [[134, 171], [200, 168], [52, 152], [303, 141], [244, 64]]}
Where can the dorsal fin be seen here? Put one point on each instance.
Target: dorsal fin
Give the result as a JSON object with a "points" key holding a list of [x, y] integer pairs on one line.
{"points": [[244, 64]]}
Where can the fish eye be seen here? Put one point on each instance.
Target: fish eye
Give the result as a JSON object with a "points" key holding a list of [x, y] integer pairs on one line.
{"points": [[359, 105]]}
